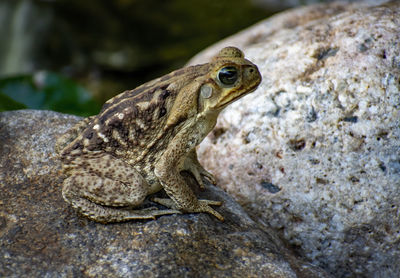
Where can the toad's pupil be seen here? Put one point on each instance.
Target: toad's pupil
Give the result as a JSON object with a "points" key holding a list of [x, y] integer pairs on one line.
{"points": [[228, 75]]}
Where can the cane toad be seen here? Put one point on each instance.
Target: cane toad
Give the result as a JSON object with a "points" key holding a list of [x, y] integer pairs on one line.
{"points": [[143, 138]]}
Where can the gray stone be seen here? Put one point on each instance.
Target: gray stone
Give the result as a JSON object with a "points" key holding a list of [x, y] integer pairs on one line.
{"points": [[41, 236], [315, 152]]}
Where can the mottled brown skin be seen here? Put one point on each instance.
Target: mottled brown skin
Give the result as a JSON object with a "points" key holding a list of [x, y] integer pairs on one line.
{"points": [[142, 139]]}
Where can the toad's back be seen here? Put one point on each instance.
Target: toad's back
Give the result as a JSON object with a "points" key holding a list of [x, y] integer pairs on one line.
{"points": [[131, 125]]}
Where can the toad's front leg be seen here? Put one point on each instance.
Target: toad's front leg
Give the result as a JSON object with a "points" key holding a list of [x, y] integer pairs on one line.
{"points": [[193, 165], [167, 170]]}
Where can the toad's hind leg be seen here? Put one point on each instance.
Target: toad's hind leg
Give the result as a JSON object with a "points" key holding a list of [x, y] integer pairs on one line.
{"points": [[105, 189], [105, 214]]}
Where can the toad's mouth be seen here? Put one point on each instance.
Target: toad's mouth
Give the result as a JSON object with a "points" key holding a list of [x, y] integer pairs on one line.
{"points": [[236, 94]]}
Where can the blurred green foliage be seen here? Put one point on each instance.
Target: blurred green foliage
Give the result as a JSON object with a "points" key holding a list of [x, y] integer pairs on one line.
{"points": [[7, 103], [108, 46], [46, 90]]}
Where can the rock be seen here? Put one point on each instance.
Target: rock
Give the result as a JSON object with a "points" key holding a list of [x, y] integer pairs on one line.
{"points": [[315, 152], [41, 236]]}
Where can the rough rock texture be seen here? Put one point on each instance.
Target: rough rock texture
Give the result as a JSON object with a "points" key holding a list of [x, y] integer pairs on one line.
{"points": [[315, 151], [41, 236]]}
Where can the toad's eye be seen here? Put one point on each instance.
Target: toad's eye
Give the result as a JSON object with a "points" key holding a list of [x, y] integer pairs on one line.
{"points": [[228, 75]]}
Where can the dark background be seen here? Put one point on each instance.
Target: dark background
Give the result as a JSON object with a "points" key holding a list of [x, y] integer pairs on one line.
{"points": [[106, 46]]}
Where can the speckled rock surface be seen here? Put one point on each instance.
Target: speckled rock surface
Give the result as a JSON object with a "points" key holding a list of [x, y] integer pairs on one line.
{"points": [[315, 151], [41, 236]]}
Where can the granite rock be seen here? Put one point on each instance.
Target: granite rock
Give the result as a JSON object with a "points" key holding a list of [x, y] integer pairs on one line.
{"points": [[41, 236], [315, 152]]}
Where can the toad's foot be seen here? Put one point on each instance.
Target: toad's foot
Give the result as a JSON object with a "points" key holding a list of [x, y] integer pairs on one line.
{"points": [[104, 214], [202, 206], [193, 165], [199, 172]]}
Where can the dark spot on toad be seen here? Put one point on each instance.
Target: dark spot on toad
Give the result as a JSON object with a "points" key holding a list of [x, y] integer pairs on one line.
{"points": [[165, 94], [89, 136], [163, 111], [76, 146]]}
